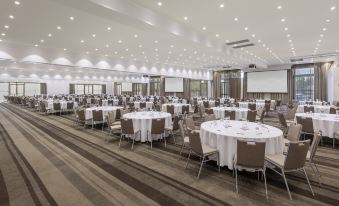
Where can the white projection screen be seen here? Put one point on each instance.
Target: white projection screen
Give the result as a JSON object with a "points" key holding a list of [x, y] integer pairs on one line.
{"points": [[267, 82], [126, 87], [174, 85]]}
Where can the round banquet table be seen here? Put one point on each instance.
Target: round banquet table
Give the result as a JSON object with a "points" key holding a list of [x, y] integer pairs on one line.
{"points": [[245, 105], [143, 121], [211, 102], [177, 107], [317, 109], [328, 124], [105, 110], [240, 113], [216, 134], [104, 102]]}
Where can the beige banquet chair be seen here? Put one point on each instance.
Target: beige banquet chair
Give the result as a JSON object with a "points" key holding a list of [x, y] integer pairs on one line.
{"points": [[250, 156], [293, 161], [185, 139], [201, 150], [312, 151], [157, 128], [293, 133], [127, 130]]}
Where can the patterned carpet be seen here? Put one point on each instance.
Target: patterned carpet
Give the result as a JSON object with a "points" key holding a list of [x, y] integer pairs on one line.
{"points": [[47, 160]]}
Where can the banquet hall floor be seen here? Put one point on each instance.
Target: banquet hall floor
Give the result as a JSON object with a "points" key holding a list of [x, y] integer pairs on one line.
{"points": [[47, 160]]}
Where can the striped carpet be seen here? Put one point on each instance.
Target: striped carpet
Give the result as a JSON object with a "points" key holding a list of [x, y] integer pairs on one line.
{"points": [[47, 160]]}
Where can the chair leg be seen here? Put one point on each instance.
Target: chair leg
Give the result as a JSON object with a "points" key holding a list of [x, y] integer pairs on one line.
{"points": [[236, 179], [202, 162], [288, 189], [164, 139], [308, 181], [333, 142], [182, 147], [218, 161], [120, 139], [189, 154], [264, 173], [133, 142]]}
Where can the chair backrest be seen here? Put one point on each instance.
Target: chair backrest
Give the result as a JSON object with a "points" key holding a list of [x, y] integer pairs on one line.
{"points": [[97, 115], [252, 106], [307, 125], [315, 143], [209, 111], [70, 105], [294, 131], [206, 104], [190, 123], [296, 155], [308, 109], [56, 106], [127, 126], [43, 107], [250, 154], [237, 104], [333, 110], [195, 142], [210, 117], [158, 126], [267, 101], [230, 114], [176, 120], [110, 118], [92, 101], [81, 115], [142, 104], [267, 106], [217, 103], [170, 109], [185, 109], [282, 120], [251, 115]]}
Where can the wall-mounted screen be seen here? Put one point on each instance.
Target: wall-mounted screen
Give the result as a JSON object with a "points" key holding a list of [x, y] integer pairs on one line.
{"points": [[174, 85], [126, 87], [267, 82]]}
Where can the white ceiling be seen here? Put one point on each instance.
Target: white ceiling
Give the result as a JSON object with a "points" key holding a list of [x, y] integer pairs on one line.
{"points": [[163, 35]]}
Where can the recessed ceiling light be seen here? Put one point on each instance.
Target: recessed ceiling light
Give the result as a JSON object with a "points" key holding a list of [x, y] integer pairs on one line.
{"points": [[140, 46], [94, 35], [286, 29], [42, 41], [96, 49], [0, 40], [283, 20], [253, 35], [288, 35], [236, 19], [279, 7], [172, 46], [135, 35], [120, 41], [3, 34], [58, 27], [36, 45], [107, 45], [221, 5], [156, 41], [71, 18], [324, 29], [65, 49], [319, 40], [327, 20], [217, 35], [115, 52], [6, 27], [290, 40], [126, 49], [185, 18], [11, 16], [259, 41], [321, 35], [333, 8], [82, 41], [49, 35], [17, 2], [246, 28], [159, 3], [109, 28], [203, 28]]}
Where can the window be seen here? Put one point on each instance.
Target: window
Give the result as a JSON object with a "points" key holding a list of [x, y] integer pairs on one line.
{"points": [[4, 91], [304, 83], [229, 82], [198, 88], [80, 89], [19, 89], [155, 86], [32, 89]]}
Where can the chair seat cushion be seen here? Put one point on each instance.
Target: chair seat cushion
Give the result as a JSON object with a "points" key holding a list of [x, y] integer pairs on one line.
{"points": [[116, 123], [277, 160], [115, 127], [207, 149], [186, 139]]}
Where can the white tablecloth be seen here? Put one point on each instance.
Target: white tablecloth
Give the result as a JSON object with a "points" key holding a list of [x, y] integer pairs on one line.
{"points": [[148, 105], [143, 121], [104, 102], [317, 109], [240, 113], [314, 103], [105, 109], [215, 134], [177, 108], [245, 105], [263, 101], [328, 124]]}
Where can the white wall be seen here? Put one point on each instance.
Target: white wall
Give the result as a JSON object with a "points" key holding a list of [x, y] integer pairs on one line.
{"points": [[336, 83]]}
